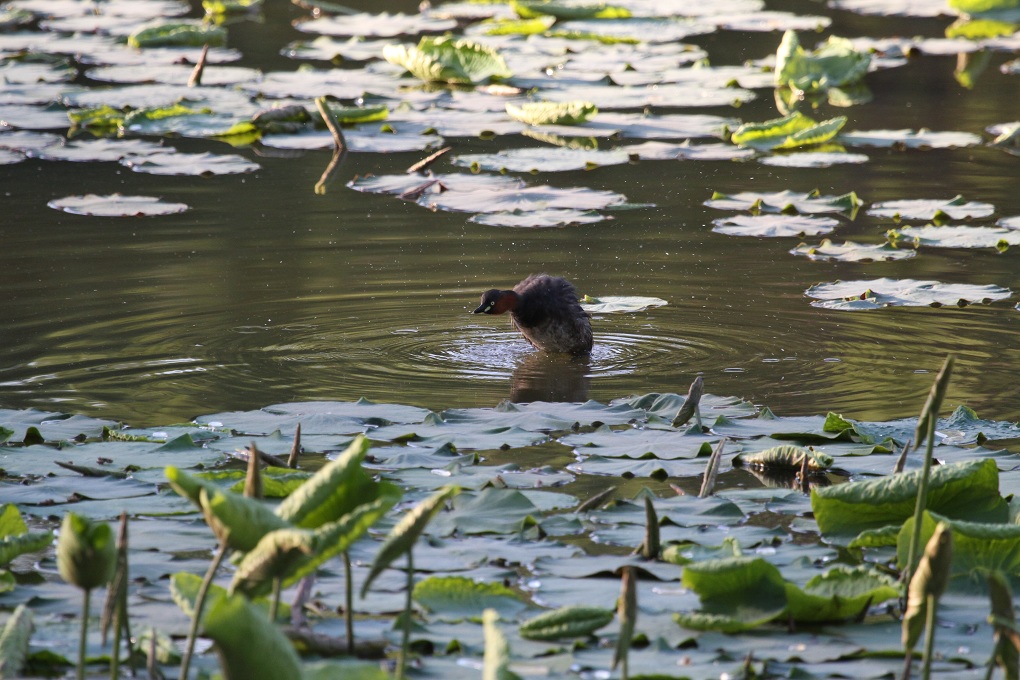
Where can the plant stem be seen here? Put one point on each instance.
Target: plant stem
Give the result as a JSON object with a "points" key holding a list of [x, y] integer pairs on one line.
{"points": [[196, 615], [922, 502], [84, 633], [274, 603], [405, 642], [929, 632], [349, 603]]}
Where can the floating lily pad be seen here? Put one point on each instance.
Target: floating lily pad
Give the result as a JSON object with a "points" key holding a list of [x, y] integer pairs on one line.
{"points": [[607, 304], [771, 226], [848, 251], [956, 237], [785, 202], [813, 159], [88, 150], [932, 209], [384, 25], [876, 293], [639, 29], [399, 184], [911, 139], [529, 198], [542, 159], [536, 219], [116, 205], [448, 60], [193, 164], [790, 132], [8, 157], [552, 113], [663, 151], [24, 140]]}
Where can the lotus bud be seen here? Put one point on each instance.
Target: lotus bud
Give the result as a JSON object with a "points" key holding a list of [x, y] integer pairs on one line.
{"points": [[86, 552]]}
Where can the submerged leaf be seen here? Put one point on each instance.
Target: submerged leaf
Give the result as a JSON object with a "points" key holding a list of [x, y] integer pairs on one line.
{"points": [[116, 205]]}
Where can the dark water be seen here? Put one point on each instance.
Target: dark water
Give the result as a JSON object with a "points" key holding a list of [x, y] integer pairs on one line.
{"points": [[265, 292]]}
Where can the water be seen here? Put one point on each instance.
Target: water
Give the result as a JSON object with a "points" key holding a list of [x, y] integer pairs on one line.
{"points": [[264, 292]]}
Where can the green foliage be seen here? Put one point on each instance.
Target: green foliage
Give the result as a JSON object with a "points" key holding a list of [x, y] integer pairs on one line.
{"points": [[552, 113], [790, 132], [448, 60], [457, 597], [530, 9], [178, 34], [496, 661], [834, 64], [968, 490], [405, 534], [249, 646], [14, 638], [566, 622], [786, 457]]}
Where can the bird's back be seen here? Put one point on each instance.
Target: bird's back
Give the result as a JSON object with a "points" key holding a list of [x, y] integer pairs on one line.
{"points": [[550, 316]]}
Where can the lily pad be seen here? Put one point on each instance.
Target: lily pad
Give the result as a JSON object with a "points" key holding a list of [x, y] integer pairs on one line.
{"points": [[771, 226], [383, 25], [116, 205], [955, 237], [785, 202], [88, 150], [538, 219], [877, 293], [552, 113], [542, 159], [909, 139], [790, 132], [529, 198], [813, 159], [448, 60], [932, 209], [606, 304], [191, 164], [848, 251]]}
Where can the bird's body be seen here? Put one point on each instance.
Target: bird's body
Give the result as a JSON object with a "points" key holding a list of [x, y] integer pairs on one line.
{"points": [[546, 311]]}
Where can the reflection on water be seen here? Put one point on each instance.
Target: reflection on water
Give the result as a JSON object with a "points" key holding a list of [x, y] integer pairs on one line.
{"points": [[542, 376]]}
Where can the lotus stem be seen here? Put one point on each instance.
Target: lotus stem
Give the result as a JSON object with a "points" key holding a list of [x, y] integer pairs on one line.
{"points": [[929, 634], [274, 603], [405, 641], [921, 504], [196, 614], [84, 633], [349, 602]]}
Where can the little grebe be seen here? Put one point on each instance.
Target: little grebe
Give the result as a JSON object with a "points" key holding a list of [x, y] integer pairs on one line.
{"points": [[546, 311]]}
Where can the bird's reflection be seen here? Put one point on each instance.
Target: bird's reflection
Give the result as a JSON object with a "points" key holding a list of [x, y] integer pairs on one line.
{"points": [[550, 376]]}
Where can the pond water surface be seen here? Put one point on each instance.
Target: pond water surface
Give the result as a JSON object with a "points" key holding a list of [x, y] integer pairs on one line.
{"points": [[264, 292]]}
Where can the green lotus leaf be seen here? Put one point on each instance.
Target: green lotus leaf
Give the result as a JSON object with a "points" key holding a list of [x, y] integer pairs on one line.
{"points": [[737, 593], [566, 622], [978, 547], [837, 62], [981, 6], [14, 638], [968, 491], [552, 113], [407, 531], [459, 597], [178, 34], [786, 457], [839, 594], [249, 645], [447, 60], [530, 9], [790, 132]]}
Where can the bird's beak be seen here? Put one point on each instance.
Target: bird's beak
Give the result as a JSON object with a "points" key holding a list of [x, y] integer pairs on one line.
{"points": [[481, 308]]}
